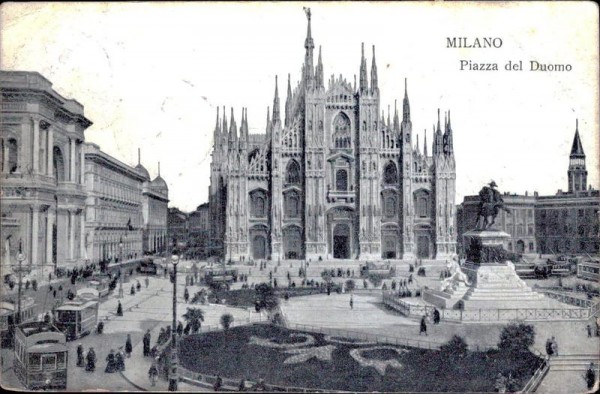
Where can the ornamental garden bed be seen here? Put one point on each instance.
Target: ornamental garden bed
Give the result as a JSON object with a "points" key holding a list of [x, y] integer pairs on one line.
{"points": [[285, 357]]}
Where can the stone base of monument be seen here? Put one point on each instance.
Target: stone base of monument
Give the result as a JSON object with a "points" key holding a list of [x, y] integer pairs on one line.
{"points": [[446, 299]]}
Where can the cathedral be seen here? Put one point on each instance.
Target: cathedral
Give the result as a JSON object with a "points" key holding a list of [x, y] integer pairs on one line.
{"points": [[332, 177]]}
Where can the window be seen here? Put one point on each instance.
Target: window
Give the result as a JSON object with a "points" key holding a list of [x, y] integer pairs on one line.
{"points": [[422, 207], [12, 155], [341, 131], [292, 205], [531, 246], [258, 204], [390, 206], [293, 172], [59, 165], [341, 180], [48, 362], [390, 174]]}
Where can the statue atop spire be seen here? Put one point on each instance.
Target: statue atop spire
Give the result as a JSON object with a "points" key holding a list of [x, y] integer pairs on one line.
{"points": [[374, 83], [309, 45], [405, 104], [276, 117]]}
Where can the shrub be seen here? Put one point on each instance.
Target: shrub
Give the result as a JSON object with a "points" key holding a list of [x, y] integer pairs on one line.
{"points": [[226, 320], [375, 280], [350, 285], [517, 337], [456, 347], [265, 297]]}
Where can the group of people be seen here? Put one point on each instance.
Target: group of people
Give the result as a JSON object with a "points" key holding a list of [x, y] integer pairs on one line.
{"points": [[115, 362], [87, 361]]}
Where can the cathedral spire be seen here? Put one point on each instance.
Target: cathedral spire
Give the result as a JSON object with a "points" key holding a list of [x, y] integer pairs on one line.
{"points": [[425, 142], [449, 142], [309, 46], [396, 120], [232, 128], [224, 121], [577, 147], [319, 72], [374, 84], [389, 124], [217, 131], [364, 84], [405, 104], [268, 127], [276, 117], [418, 150], [288, 103]]}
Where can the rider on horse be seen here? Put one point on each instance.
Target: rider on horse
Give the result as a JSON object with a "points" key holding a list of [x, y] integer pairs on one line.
{"points": [[489, 205]]}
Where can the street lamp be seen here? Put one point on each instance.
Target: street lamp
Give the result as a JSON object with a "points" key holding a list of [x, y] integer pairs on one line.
{"points": [[173, 378], [120, 267]]}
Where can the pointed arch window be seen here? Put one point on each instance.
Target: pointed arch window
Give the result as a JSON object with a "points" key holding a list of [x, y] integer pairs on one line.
{"points": [[293, 173], [390, 174], [292, 205], [341, 131]]}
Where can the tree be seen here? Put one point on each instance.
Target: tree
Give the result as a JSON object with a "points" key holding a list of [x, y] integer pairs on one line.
{"points": [[265, 297], [455, 348], [226, 320], [194, 317], [517, 337], [350, 285]]}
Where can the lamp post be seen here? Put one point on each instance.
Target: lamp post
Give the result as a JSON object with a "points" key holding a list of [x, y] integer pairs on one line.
{"points": [[120, 267], [19, 269], [174, 378]]}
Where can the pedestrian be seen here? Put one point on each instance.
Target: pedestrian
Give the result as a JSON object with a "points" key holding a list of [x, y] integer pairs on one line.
{"points": [[132, 292], [138, 286], [554, 347], [147, 281], [146, 342], [549, 347], [242, 386], [100, 328], [120, 361], [423, 326], [47, 318], [351, 302], [436, 316], [590, 377], [111, 366], [218, 383], [80, 358], [91, 360], [153, 374], [589, 331], [186, 295], [119, 309], [128, 346], [179, 328]]}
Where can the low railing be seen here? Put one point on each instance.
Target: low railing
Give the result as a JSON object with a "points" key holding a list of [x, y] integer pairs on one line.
{"points": [[492, 315], [535, 380], [363, 336], [568, 299]]}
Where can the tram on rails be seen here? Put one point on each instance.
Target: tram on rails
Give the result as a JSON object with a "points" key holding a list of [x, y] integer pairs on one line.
{"points": [[77, 318], [41, 356], [8, 314]]}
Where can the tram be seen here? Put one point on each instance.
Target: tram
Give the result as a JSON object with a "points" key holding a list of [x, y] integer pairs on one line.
{"points": [[77, 318], [148, 267], [8, 312], [589, 270], [41, 356]]}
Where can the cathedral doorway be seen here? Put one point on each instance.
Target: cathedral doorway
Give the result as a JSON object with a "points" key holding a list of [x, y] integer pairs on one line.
{"points": [[341, 241], [389, 243], [292, 243], [423, 246], [259, 247]]}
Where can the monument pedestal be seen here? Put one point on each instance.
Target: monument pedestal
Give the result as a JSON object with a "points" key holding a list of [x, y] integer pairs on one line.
{"points": [[494, 281]]}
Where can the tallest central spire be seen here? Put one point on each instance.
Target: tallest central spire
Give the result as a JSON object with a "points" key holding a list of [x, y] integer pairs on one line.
{"points": [[309, 45]]}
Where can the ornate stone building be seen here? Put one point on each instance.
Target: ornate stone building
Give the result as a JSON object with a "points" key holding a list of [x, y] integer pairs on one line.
{"points": [[331, 177], [567, 222], [43, 195], [199, 231], [155, 200]]}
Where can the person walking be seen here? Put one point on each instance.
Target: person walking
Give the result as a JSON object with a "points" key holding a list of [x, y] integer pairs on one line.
{"points": [[110, 362], [186, 295], [153, 374], [91, 360], [80, 358], [423, 326], [132, 292], [590, 377], [146, 342], [138, 286], [436, 316], [351, 302], [549, 351], [218, 383], [179, 328], [146, 281], [119, 309], [120, 361], [589, 330], [128, 346]]}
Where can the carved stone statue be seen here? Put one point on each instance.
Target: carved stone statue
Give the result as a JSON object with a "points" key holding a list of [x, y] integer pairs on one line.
{"points": [[455, 278], [490, 203]]}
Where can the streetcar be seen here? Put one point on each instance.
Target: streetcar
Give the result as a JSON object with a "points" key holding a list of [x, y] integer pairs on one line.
{"points": [[148, 267], [8, 312], [220, 276], [41, 355], [77, 318], [589, 270]]}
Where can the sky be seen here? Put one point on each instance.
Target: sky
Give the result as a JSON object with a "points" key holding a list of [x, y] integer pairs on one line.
{"points": [[151, 75]]}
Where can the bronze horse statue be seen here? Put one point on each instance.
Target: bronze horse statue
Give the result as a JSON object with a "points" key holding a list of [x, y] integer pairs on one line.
{"points": [[490, 204]]}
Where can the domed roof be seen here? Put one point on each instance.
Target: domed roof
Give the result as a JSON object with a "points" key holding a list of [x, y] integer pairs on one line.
{"points": [[142, 170], [158, 182]]}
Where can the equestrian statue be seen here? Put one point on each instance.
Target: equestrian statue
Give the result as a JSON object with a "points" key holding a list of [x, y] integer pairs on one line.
{"points": [[490, 204]]}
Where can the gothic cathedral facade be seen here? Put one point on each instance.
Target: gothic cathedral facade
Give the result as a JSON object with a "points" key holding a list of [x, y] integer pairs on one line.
{"points": [[332, 178]]}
